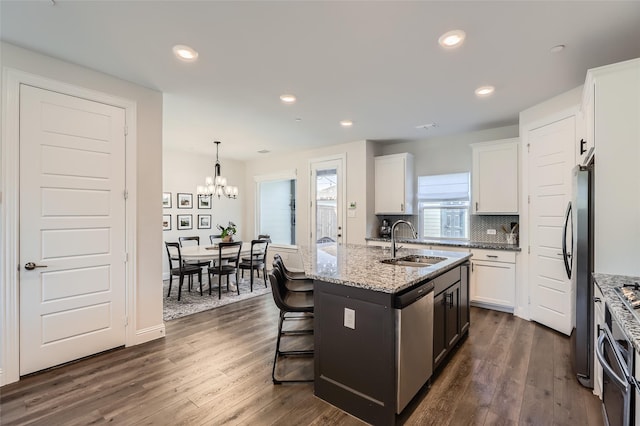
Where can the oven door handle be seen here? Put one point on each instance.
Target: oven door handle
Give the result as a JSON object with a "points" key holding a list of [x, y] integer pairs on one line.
{"points": [[622, 384]]}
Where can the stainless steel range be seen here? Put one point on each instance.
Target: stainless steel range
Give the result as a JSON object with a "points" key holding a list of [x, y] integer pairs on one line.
{"points": [[616, 355]]}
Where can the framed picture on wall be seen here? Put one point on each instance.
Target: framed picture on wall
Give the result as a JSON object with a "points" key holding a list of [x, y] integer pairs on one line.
{"points": [[185, 200], [166, 222], [204, 221], [184, 221], [204, 201], [166, 200]]}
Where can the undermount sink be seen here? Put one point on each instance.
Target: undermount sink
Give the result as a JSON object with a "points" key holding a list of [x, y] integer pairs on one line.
{"points": [[417, 261]]}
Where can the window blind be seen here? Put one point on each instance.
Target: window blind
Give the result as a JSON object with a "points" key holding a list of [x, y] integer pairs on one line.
{"points": [[447, 187]]}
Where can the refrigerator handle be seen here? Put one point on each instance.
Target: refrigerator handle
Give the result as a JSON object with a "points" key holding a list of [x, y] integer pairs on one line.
{"points": [[566, 256]]}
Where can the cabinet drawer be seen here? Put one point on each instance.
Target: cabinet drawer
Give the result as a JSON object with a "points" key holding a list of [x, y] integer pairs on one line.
{"points": [[494, 255], [446, 280], [450, 248]]}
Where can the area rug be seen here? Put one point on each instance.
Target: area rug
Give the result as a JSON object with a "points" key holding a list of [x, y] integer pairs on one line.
{"points": [[191, 302]]}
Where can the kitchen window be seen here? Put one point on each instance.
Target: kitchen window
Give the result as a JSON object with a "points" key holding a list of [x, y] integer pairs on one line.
{"points": [[443, 206], [276, 205]]}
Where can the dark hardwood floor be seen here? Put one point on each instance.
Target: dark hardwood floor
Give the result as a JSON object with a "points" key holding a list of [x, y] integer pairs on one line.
{"points": [[215, 368]]}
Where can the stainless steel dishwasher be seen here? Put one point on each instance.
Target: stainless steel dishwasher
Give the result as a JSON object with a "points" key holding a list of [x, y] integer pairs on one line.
{"points": [[414, 341]]}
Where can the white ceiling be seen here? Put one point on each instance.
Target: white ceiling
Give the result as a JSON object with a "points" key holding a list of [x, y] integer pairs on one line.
{"points": [[374, 62]]}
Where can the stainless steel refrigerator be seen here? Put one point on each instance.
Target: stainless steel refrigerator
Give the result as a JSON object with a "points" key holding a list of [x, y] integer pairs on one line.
{"points": [[578, 259]]}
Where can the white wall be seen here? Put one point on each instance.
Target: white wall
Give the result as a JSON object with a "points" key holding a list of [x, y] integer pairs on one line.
{"points": [[448, 154], [148, 241], [359, 181], [183, 172]]}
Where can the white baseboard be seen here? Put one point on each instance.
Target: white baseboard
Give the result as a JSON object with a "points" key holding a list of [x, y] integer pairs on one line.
{"points": [[149, 334]]}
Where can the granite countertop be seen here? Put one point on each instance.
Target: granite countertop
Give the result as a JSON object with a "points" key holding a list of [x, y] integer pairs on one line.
{"points": [[359, 266], [452, 243], [630, 325]]}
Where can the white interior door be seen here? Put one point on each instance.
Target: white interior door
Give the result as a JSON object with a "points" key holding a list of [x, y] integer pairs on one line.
{"points": [[550, 167], [72, 227], [327, 203]]}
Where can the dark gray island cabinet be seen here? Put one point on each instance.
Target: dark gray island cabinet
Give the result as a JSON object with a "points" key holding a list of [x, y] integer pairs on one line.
{"points": [[380, 329]]}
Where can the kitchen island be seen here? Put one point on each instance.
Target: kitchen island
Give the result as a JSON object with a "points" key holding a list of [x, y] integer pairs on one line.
{"points": [[363, 349]]}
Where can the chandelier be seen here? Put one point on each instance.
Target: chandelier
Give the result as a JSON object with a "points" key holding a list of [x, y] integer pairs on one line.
{"points": [[217, 185]]}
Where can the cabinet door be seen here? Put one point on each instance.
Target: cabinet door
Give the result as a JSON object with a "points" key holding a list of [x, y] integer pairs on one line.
{"points": [[389, 181], [439, 325], [452, 308], [464, 299], [394, 184], [598, 322], [493, 283], [495, 178]]}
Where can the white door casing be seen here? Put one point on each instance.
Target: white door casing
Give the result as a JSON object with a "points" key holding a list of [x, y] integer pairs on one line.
{"points": [[72, 222], [317, 166], [550, 164]]}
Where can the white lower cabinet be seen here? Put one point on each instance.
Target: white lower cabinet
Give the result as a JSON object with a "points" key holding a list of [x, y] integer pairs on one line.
{"points": [[493, 279], [598, 321]]}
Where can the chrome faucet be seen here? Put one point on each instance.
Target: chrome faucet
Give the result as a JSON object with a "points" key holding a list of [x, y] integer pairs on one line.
{"points": [[393, 234]]}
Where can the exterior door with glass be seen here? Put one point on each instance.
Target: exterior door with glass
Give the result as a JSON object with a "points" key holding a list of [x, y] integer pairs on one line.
{"points": [[327, 201]]}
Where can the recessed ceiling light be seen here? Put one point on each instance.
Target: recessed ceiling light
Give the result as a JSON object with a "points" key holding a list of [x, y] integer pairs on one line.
{"points": [[298, 119], [264, 151], [288, 99], [185, 53], [452, 39], [427, 126], [557, 49], [485, 90], [346, 123]]}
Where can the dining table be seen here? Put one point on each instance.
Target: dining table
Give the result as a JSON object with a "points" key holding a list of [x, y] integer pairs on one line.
{"points": [[210, 252]]}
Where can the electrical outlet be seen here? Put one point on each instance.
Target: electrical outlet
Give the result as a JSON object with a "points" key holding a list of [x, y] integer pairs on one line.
{"points": [[350, 318], [491, 232]]}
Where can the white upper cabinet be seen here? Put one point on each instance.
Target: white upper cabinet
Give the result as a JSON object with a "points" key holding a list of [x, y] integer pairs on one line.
{"points": [[394, 184], [494, 178], [616, 129]]}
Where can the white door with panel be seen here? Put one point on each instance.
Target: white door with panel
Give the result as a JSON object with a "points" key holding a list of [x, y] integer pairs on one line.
{"points": [[551, 161], [327, 203], [72, 228]]}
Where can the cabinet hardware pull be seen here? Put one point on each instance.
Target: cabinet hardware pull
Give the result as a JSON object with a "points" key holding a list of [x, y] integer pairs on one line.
{"points": [[583, 148], [597, 299], [476, 206], [401, 207], [493, 256]]}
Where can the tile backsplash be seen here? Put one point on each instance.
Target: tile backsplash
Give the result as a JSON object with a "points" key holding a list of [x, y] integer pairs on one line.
{"points": [[478, 232], [480, 224]]}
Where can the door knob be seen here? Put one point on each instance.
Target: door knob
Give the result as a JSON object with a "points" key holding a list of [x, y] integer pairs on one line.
{"points": [[29, 266]]}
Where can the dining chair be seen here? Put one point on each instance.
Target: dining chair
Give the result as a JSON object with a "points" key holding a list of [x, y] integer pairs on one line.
{"points": [[294, 281], [292, 306], [173, 251], [226, 264], [189, 241], [256, 260]]}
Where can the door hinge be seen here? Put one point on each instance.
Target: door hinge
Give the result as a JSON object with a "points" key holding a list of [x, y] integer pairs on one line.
{"points": [[126, 257], [125, 194], [528, 249], [528, 147], [528, 199], [126, 130], [126, 320]]}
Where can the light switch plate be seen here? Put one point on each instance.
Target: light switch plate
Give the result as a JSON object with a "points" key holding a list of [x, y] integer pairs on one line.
{"points": [[350, 318]]}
